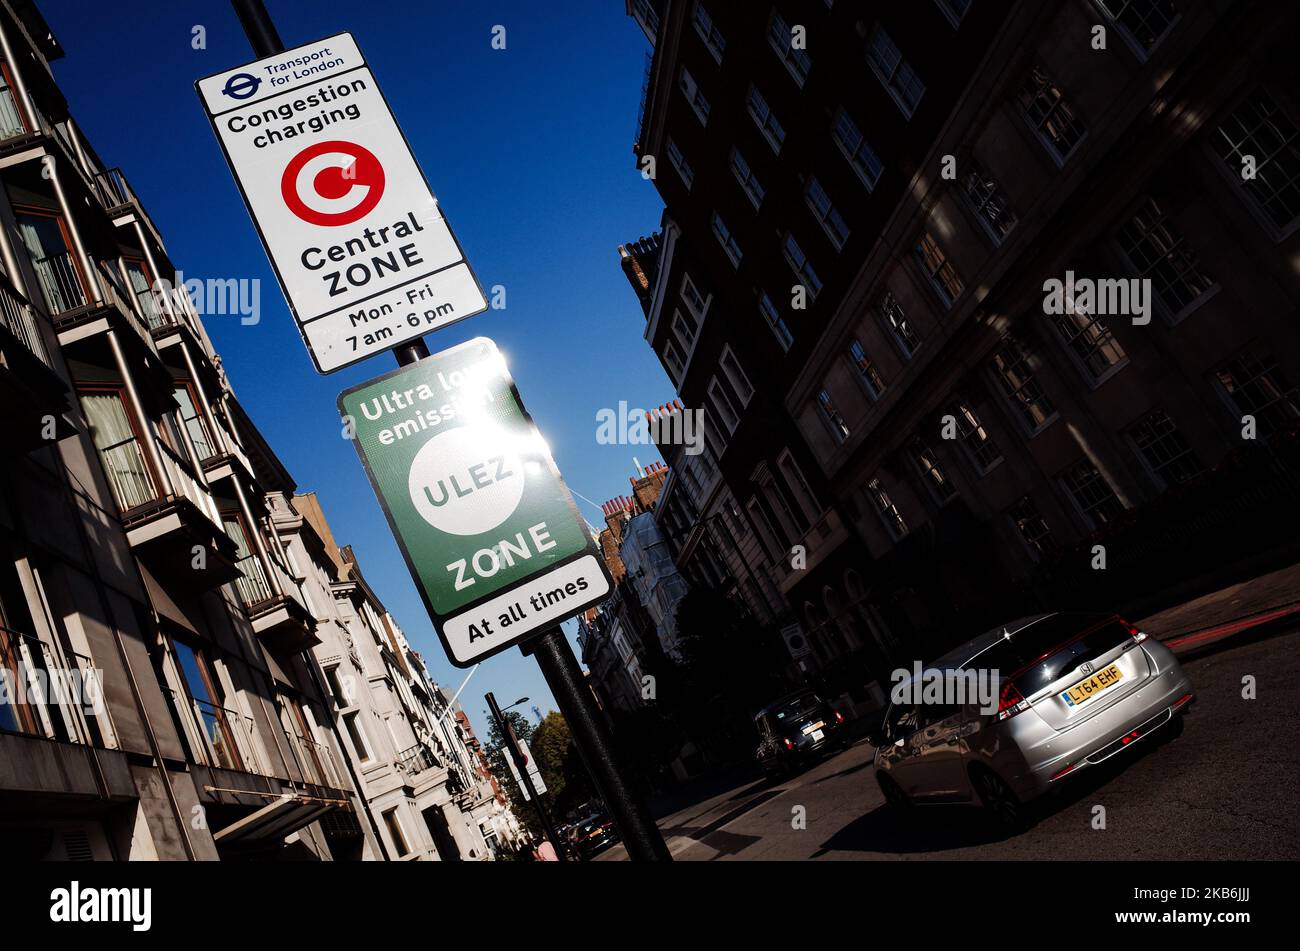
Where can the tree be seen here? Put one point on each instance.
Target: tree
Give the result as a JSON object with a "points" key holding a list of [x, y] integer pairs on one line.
{"points": [[567, 782]]}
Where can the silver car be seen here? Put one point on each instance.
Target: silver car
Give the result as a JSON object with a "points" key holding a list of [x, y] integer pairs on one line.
{"points": [[1072, 690]]}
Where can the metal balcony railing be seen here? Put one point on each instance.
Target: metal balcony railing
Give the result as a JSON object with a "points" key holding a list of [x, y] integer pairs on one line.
{"points": [[221, 738], [60, 282], [11, 119], [315, 761], [45, 696], [417, 759], [252, 585], [115, 188], [21, 319], [128, 474]]}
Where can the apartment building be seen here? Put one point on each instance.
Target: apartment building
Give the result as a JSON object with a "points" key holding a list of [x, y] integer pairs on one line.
{"points": [[405, 758], [929, 443], [624, 637]]}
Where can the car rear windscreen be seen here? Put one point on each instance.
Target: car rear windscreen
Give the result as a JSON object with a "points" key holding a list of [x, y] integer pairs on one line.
{"points": [[799, 707], [1100, 638]]}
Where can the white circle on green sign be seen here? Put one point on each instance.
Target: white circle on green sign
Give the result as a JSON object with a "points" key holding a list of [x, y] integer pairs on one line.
{"points": [[468, 480]]}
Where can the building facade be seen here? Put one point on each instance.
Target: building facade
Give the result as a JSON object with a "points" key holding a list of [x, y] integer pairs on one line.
{"points": [[168, 614], [911, 431]]}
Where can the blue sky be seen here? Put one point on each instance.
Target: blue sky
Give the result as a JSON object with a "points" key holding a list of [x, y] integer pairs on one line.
{"points": [[529, 152]]}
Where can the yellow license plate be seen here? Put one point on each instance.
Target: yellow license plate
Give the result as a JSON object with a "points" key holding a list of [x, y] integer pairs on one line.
{"points": [[814, 726], [1085, 690]]}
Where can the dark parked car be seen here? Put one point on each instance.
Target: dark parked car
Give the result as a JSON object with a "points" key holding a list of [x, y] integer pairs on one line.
{"points": [[796, 729], [592, 834]]}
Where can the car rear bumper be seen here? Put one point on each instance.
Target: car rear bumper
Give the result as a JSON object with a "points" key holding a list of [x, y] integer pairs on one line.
{"points": [[1127, 723]]}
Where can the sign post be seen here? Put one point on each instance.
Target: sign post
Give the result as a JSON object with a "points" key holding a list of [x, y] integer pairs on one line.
{"points": [[359, 244], [489, 530], [525, 772], [337, 186]]}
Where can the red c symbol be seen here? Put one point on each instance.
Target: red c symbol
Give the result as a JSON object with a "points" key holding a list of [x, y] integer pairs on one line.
{"points": [[342, 182]]}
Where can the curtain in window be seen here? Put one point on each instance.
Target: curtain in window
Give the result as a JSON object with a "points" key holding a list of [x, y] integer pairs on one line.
{"points": [[118, 449], [11, 120]]}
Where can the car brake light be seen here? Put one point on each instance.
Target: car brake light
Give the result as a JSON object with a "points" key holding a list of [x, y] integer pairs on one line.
{"points": [[839, 717], [788, 744], [1181, 700], [1010, 701], [1134, 633]]}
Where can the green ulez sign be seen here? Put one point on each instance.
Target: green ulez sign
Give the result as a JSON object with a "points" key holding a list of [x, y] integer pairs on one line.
{"points": [[488, 528]]}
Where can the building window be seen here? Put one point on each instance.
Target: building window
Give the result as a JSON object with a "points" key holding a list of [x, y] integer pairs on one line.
{"points": [[927, 466], [1044, 107], [805, 496], [691, 90], [1163, 449], [113, 434], [194, 423], [58, 274], [898, 78], [979, 446], [736, 376], [394, 827], [987, 200], [745, 176], [781, 38], [729, 245], [674, 358], [1144, 22], [1033, 528], [954, 10], [684, 328], [1160, 253], [832, 221], [887, 510], [761, 113], [1013, 368], [1255, 386], [775, 321], [1090, 342], [1259, 133], [696, 301], [1092, 494], [839, 428], [339, 692], [867, 371], [799, 263], [356, 734], [896, 324], [678, 161], [943, 276], [854, 147], [724, 405], [713, 40]]}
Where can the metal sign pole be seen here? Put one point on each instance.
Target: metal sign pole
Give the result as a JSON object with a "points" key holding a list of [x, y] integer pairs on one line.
{"points": [[521, 764], [640, 835]]}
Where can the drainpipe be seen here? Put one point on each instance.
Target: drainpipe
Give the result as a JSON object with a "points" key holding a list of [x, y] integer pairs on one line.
{"points": [[92, 276], [151, 453], [258, 545], [218, 431], [23, 94]]}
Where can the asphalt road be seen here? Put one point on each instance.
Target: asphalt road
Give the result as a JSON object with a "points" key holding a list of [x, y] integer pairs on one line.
{"points": [[1228, 788]]}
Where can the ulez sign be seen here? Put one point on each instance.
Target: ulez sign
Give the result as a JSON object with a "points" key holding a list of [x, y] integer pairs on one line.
{"points": [[359, 244], [488, 528]]}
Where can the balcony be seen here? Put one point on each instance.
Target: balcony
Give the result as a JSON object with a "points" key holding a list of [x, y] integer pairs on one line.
{"points": [[78, 315], [279, 617], [30, 388], [420, 767], [316, 763], [177, 531], [218, 736], [122, 203], [825, 535]]}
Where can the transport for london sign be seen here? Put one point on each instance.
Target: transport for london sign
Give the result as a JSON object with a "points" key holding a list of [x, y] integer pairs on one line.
{"points": [[488, 527], [359, 244]]}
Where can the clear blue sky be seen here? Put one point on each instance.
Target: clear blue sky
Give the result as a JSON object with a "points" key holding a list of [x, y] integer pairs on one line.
{"points": [[529, 152]]}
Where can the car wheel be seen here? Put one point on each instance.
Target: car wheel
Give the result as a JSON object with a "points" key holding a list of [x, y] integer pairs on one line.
{"points": [[895, 798], [999, 800]]}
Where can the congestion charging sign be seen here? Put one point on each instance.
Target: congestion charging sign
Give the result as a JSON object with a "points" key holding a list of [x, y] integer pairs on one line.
{"points": [[358, 241], [488, 528]]}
